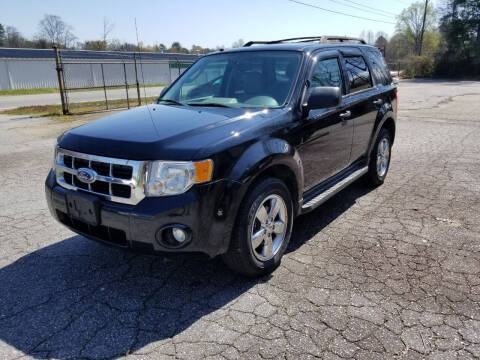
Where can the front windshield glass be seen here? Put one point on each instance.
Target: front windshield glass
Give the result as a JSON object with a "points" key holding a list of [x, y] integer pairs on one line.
{"points": [[258, 79]]}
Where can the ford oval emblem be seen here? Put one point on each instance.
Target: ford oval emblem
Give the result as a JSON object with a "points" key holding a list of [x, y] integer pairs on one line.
{"points": [[86, 175]]}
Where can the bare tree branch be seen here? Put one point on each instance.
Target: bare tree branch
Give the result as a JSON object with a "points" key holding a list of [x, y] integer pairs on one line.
{"points": [[55, 31], [107, 29]]}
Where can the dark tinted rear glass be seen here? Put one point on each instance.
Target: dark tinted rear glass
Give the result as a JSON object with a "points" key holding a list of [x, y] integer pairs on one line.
{"points": [[357, 73], [379, 67]]}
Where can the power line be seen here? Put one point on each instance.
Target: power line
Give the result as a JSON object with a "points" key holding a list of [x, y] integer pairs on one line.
{"points": [[376, 12], [340, 13], [370, 7]]}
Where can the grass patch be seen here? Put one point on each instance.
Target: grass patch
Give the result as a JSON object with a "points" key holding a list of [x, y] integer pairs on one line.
{"points": [[55, 90], [28, 91], [75, 108]]}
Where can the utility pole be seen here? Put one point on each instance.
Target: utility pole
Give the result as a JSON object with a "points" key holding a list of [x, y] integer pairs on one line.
{"points": [[59, 69], [423, 29]]}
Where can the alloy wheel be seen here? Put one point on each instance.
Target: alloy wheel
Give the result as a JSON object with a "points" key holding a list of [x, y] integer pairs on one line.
{"points": [[383, 157], [269, 227]]}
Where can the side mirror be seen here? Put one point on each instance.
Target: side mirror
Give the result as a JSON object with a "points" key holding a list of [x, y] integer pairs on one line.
{"points": [[323, 97]]}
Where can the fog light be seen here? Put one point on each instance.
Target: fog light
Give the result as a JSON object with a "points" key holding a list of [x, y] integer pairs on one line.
{"points": [[179, 234], [174, 236]]}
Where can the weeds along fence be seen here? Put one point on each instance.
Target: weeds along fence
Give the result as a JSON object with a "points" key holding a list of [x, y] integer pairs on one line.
{"points": [[116, 79]]}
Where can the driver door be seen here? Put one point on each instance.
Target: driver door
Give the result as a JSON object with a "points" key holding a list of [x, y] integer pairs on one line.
{"points": [[326, 133]]}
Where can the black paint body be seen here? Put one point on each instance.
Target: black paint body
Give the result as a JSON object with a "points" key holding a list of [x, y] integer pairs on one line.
{"points": [[305, 149]]}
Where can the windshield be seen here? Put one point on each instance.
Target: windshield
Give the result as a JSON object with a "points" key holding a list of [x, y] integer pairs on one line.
{"points": [[258, 79]]}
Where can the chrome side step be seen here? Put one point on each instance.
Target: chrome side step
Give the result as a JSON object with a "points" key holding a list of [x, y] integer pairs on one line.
{"points": [[328, 193]]}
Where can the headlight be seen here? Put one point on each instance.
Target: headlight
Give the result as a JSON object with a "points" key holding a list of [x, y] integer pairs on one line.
{"points": [[172, 177]]}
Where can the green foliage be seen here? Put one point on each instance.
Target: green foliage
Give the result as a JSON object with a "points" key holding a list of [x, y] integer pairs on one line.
{"points": [[460, 30], [415, 55], [419, 66], [177, 48], [410, 25], [98, 45], [2, 35]]}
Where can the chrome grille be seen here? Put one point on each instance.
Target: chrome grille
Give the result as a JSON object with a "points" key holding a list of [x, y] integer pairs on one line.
{"points": [[117, 180]]}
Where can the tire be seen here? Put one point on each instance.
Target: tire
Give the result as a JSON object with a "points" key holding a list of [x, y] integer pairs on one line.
{"points": [[379, 159], [260, 237]]}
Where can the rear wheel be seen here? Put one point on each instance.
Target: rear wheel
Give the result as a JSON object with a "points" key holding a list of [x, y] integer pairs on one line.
{"points": [[262, 230], [380, 159]]}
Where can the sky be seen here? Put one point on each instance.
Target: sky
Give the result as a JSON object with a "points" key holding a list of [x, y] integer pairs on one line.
{"points": [[208, 23]]}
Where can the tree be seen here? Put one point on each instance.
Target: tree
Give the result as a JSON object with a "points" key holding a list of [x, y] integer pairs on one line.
{"points": [[55, 31], [13, 38], [40, 44], [381, 34], [368, 36], [97, 45], [159, 48], [238, 43], [381, 42], [2, 35], [422, 31], [196, 49], [107, 29], [460, 30], [411, 25], [116, 45], [176, 47]]}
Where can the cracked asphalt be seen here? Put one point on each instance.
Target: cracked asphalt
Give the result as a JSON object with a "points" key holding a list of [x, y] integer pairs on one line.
{"points": [[388, 273]]}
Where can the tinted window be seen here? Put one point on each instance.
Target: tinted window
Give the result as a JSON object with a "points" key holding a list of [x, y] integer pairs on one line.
{"points": [[327, 73], [379, 67], [357, 73]]}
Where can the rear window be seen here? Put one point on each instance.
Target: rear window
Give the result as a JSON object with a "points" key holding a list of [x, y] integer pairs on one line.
{"points": [[357, 73], [379, 67]]}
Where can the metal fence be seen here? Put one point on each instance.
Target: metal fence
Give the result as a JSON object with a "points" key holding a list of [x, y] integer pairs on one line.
{"points": [[121, 80], [397, 67]]}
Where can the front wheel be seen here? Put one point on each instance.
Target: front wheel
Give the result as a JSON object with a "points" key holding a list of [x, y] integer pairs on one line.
{"points": [[262, 230], [380, 159]]}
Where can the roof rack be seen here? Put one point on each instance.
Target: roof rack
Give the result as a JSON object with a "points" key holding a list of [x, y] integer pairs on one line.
{"points": [[320, 39]]}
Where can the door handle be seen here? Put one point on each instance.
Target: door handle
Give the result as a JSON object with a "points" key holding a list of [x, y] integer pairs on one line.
{"points": [[378, 102], [346, 115]]}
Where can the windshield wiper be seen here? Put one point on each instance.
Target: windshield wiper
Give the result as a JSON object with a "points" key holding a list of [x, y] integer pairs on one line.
{"points": [[209, 104], [172, 102]]}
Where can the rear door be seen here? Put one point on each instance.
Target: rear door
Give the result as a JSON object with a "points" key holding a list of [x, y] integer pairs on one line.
{"points": [[326, 136], [360, 99]]}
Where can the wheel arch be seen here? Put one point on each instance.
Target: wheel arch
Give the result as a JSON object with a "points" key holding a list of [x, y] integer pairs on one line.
{"points": [[386, 121], [271, 157], [389, 124]]}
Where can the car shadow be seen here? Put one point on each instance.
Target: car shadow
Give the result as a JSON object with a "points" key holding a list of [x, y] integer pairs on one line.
{"points": [[310, 224], [80, 299]]}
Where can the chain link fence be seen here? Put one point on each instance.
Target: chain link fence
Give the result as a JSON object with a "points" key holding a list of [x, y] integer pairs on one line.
{"points": [[115, 79]]}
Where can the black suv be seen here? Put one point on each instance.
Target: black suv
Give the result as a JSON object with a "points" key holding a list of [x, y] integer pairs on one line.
{"points": [[244, 141]]}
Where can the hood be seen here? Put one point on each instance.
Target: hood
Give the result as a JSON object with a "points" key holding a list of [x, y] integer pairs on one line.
{"points": [[163, 132]]}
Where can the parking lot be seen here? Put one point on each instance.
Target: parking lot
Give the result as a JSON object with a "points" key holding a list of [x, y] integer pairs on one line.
{"points": [[385, 273]]}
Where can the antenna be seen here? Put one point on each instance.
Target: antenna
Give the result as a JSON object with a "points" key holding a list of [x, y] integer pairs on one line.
{"points": [[140, 59]]}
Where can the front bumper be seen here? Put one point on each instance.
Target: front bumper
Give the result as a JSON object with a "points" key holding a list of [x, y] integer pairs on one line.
{"points": [[208, 211]]}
